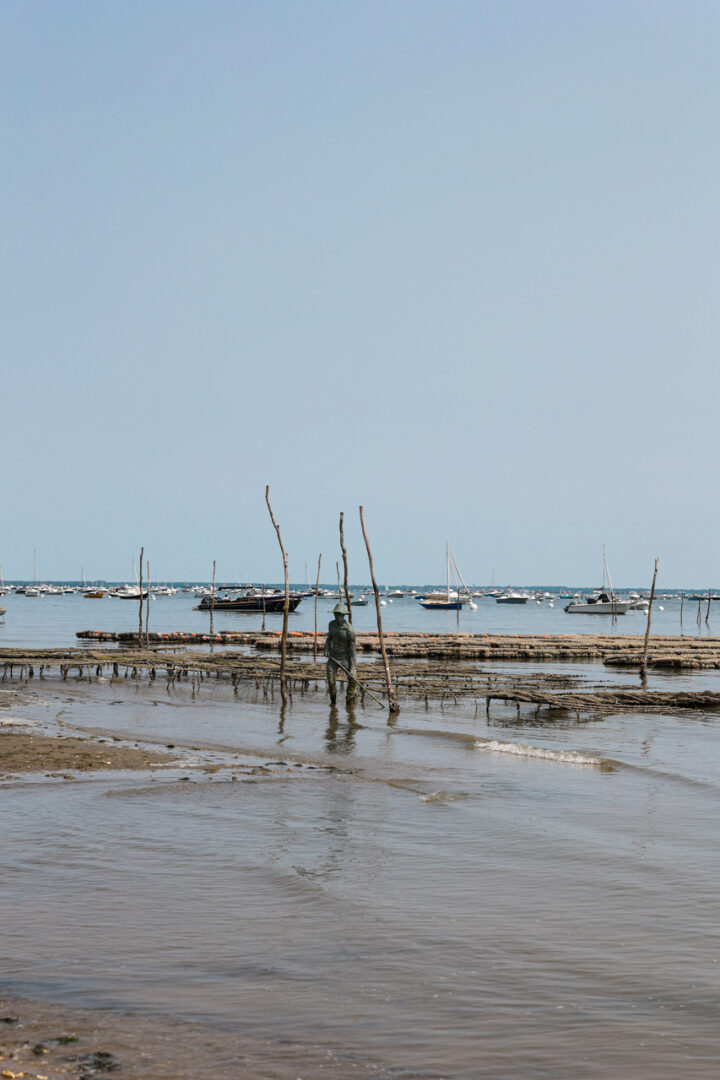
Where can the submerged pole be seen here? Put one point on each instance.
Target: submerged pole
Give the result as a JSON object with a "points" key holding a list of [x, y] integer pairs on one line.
{"points": [[286, 605], [317, 586], [140, 619], [393, 706], [643, 666], [212, 603], [147, 606]]}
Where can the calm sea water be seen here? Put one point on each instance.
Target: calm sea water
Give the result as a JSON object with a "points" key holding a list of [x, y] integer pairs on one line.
{"points": [[54, 620], [447, 896]]}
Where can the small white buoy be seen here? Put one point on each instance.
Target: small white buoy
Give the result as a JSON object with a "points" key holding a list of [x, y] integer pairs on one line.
{"points": [[661, 608], [382, 603], [473, 606]]}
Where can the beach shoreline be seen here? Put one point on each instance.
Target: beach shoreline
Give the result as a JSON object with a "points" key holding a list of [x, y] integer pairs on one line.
{"points": [[45, 1040]]}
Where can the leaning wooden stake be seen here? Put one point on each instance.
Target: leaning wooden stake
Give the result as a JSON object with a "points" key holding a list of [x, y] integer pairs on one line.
{"points": [[707, 613], [643, 666], [317, 587], [393, 706], [212, 603], [140, 633], [286, 606], [147, 606], [345, 568]]}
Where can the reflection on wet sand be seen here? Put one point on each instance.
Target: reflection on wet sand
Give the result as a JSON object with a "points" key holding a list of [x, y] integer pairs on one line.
{"points": [[340, 732]]}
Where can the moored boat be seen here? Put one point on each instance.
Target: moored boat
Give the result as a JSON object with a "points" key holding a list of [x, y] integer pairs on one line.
{"points": [[252, 600], [450, 600], [604, 603]]}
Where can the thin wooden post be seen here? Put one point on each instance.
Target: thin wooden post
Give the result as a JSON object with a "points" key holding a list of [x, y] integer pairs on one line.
{"points": [[212, 603], [264, 611], [393, 706], [345, 568], [317, 586], [147, 608], [140, 618], [643, 666], [337, 571], [707, 613], [286, 605], [682, 605]]}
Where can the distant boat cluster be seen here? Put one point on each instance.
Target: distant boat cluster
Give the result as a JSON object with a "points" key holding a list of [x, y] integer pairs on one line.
{"points": [[258, 598]]}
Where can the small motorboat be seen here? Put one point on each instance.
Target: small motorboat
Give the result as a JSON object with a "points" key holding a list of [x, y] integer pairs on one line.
{"points": [[129, 592], [512, 598], [604, 604]]}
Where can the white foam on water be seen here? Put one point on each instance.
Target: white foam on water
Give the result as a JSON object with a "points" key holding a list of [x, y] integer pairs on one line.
{"points": [[15, 721], [523, 750], [442, 796]]}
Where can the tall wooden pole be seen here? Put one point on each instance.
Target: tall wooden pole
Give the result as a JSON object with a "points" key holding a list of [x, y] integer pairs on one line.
{"points": [[393, 706], [707, 613], [286, 606], [147, 607], [345, 568], [142, 552], [212, 603], [643, 666], [317, 587]]}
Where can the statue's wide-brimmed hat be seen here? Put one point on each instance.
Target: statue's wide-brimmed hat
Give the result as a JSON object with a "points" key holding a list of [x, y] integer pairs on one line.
{"points": [[340, 609]]}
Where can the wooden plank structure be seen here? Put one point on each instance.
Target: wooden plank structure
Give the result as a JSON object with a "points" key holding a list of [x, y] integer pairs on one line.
{"points": [[427, 677], [622, 650]]}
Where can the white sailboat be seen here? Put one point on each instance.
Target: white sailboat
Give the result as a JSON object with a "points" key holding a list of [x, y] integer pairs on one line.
{"points": [[450, 600], [605, 603]]}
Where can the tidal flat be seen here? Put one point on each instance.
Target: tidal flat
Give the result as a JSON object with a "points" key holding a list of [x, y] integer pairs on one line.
{"points": [[319, 892]]}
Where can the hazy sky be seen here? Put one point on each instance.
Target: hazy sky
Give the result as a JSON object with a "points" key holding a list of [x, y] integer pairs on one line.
{"points": [[456, 261]]}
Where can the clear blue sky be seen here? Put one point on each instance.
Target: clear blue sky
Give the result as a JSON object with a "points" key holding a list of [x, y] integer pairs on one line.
{"points": [[456, 261]]}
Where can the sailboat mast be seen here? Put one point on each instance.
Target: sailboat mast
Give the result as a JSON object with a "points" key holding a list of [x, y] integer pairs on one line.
{"points": [[606, 571], [462, 579], [447, 567]]}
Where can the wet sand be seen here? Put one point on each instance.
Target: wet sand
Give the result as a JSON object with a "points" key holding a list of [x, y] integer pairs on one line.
{"points": [[24, 752], [44, 1041]]}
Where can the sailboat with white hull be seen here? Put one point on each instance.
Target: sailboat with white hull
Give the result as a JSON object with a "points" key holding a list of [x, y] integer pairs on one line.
{"points": [[605, 603], [450, 600]]}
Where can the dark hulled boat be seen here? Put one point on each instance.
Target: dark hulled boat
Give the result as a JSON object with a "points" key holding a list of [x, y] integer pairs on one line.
{"points": [[252, 600]]}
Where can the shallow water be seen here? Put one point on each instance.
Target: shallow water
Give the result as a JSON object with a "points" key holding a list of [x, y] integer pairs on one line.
{"points": [[52, 621], [447, 903]]}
